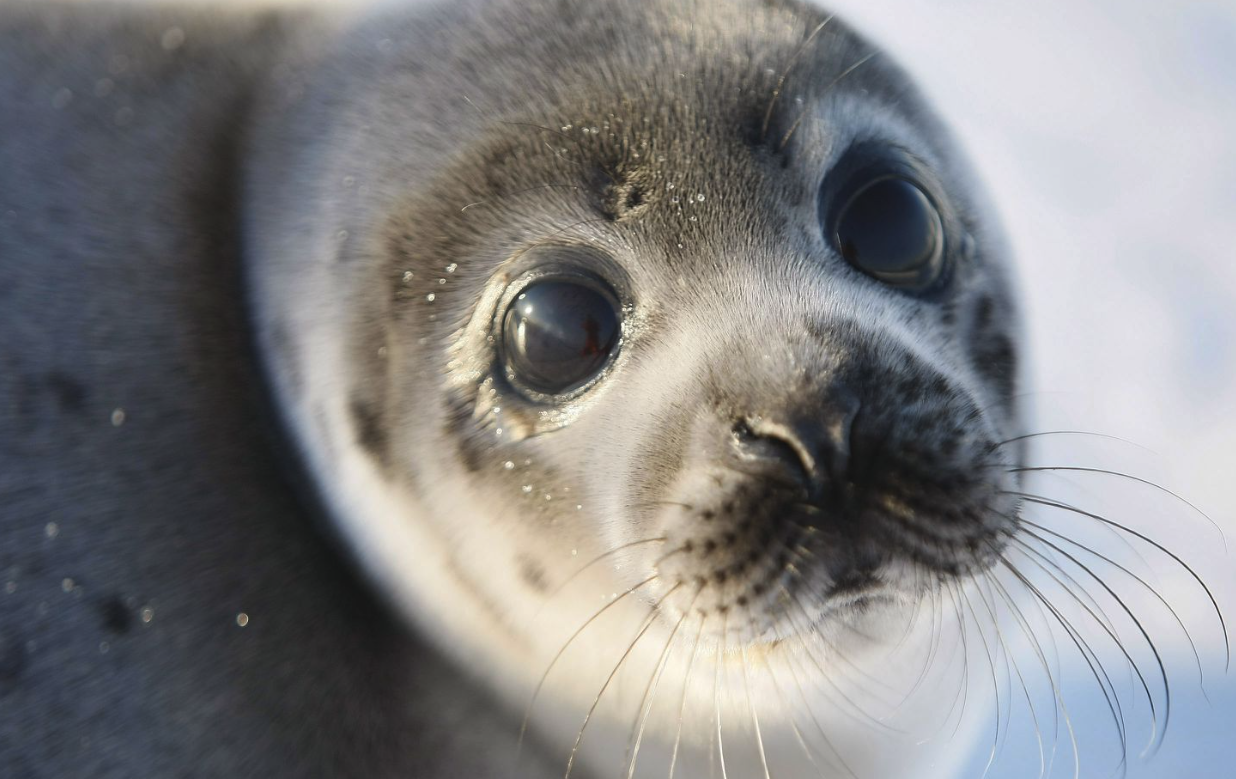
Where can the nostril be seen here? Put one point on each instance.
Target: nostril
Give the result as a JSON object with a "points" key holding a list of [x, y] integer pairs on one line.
{"points": [[771, 444]]}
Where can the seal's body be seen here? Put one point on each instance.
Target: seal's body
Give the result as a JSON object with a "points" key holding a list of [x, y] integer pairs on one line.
{"points": [[143, 505], [776, 425]]}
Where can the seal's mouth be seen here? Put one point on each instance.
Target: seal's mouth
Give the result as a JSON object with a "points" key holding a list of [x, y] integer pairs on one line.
{"points": [[786, 527], [763, 560]]}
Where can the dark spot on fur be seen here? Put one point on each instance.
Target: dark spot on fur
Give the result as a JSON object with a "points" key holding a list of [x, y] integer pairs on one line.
{"points": [[533, 574], [634, 198], [940, 387], [499, 156], [116, 616], [13, 659], [983, 313], [70, 395], [626, 197], [816, 329], [370, 433]]}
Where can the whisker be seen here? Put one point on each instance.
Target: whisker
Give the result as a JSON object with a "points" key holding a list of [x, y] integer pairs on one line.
{"points": [[558, 590], [652, 616], [1130, 477], [823, 675], [792, 719], [716, 692], [1058, 705], [682, 705], [1167, 690], [1197, 658], [523, 728], [801, 552], [790, 133], [506, 195], [580, 223], [1146, 539], [1041, 434], [811, 712], [995, 623], [785, 73], [653, 682], [1043, 563], [755, 718], [1097, 670], [963, 687]]}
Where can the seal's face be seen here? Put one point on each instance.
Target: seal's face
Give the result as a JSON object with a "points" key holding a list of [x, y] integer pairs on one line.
{"points": [[716, 309], [757, 336]]}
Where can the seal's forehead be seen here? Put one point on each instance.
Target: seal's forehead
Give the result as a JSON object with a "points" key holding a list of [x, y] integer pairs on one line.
{"points": [[686, 70], [651, 129], [694, 49]]}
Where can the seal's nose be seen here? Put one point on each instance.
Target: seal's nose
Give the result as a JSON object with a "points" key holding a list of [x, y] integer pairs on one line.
{"points": [[810, 444]]}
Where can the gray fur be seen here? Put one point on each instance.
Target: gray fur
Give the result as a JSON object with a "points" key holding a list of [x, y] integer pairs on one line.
{"points": [[289, 179], [120, 288]]}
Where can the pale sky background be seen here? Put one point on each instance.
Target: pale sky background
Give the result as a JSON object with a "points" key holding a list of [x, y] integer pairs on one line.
{"points": [[1105, 131]]}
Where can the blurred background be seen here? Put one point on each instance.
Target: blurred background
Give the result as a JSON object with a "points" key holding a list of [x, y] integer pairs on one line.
{"points": [[1105, 131]]}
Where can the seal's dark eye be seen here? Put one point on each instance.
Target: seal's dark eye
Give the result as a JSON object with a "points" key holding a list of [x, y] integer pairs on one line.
{"points": [[558, 333], [889, 229]]}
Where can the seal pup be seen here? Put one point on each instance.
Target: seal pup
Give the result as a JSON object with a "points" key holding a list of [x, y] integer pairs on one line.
{"points": [[625, 347], [731, 307]]}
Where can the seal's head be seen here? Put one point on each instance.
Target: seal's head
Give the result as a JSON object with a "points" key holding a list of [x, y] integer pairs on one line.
{"points": [[701, 295]]}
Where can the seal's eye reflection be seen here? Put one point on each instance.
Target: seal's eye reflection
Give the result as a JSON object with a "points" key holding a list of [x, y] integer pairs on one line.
{"points": [[557, 334], [889, 229]]}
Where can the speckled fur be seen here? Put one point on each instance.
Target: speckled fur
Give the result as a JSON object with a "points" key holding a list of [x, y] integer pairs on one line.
{"points": [[370, 187]]}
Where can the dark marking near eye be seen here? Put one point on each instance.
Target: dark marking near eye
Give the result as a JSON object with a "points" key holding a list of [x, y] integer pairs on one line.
{"points": [[996, 360], [370, 433], [458, 428], [116, 616]]}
